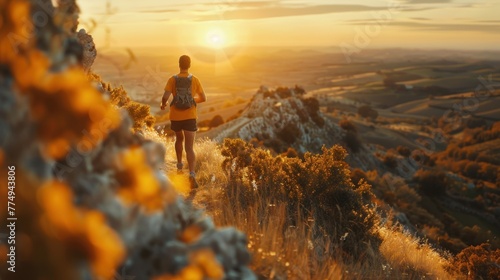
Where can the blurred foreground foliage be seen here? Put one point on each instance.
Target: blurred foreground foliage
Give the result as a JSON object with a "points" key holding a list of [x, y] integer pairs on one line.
{"points": [[89, 195]]}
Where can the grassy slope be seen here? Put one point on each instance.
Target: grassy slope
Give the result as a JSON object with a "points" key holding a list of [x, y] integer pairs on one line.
{"points": [[291, 253]]}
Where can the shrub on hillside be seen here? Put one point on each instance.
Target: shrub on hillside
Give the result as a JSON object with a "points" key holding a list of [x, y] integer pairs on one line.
{"points": [[351, 138], [347, 125], [269, 94], [275, 145], [204, 123], [489, 172], [367, 111], [289, 133], [352, 141], [318, 120], [299, 90], [431, 182], [216, 121], [139, 112], [390, 160], [422, 158], [481, 135], [357, 175], [404, 151], [478, 262], [488, 158], [311, 104], [472, 169], [319, 186], [291, 153], [283, 92], [255, 142], [304, 117], [475, 123]]}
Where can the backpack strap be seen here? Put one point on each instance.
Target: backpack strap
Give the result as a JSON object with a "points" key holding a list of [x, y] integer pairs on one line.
{"points": [[176, 78], [190, 77]]}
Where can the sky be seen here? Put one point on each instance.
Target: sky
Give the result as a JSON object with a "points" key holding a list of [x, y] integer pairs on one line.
{"points": [[347, 25]]}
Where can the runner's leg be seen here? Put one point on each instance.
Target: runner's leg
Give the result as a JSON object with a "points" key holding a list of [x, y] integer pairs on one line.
{"points": [[191, 157], [179, 138]]}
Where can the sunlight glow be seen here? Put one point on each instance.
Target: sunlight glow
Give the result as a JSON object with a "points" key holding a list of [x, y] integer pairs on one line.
{"points": [[216, 39]]}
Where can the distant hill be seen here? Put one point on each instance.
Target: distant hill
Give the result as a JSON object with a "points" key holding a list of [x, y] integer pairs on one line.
{"points": [[487, 108]]}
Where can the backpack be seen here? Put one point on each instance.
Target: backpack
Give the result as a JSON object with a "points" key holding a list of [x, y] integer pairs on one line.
{"points": [[183, 98]]}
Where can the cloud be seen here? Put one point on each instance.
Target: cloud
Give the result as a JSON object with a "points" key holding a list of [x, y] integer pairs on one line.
{"points": [[159, 11], [428, 1], [243, 4], [275, 11], [486, 28], [489, 21]]}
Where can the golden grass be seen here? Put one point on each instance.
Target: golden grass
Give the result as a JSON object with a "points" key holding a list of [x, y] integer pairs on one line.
{"points": [[278, 251], [403, 250], [281, 252]]}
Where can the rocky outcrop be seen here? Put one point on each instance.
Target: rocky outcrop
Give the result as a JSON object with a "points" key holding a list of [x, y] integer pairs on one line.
{"points": [[89, 51], [286, 116]]}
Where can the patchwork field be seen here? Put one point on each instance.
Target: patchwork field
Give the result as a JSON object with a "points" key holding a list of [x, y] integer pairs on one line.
{"points": [[419, 85]]}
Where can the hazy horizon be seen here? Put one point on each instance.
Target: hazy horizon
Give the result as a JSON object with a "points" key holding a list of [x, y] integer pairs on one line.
{"points": [[348, 26]]}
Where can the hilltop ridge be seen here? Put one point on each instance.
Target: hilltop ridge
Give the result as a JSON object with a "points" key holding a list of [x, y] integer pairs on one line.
{"points": [[282, 117]]}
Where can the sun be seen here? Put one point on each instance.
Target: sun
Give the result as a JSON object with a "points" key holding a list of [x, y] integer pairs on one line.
{"points": [[216, 39]]}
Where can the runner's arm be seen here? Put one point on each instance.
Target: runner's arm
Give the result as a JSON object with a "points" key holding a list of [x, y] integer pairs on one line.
{"points": [[164, 99], [200, 97]]}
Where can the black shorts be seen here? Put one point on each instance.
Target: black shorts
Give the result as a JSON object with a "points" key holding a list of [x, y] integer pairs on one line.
{"points": [[188, 125]]}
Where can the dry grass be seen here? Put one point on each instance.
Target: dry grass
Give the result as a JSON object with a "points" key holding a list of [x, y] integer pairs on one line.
{"points": [[279, 252], [283, 252], [416, 259]]}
